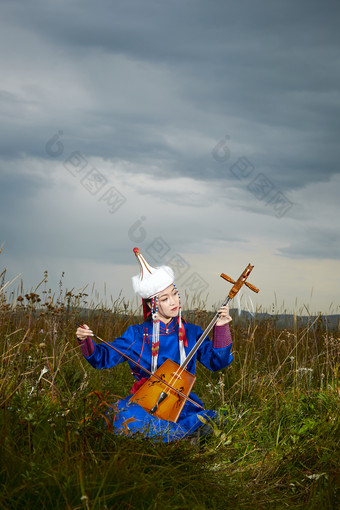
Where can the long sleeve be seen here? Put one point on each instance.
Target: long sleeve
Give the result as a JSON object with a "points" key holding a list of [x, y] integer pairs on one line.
{"points": [[136, 343], [105, 357]]}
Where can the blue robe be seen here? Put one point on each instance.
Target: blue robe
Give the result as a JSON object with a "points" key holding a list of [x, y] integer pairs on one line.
{"points": [[136, 342]]}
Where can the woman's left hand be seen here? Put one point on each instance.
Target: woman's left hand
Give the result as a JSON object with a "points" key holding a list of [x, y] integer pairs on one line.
{"points": [[223, 316]]}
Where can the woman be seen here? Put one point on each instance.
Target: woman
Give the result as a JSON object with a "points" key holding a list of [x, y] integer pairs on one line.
{"points": [[163, 335]]}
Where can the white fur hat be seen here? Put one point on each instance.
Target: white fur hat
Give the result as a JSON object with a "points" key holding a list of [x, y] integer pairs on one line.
{"points": [[151, 280]]}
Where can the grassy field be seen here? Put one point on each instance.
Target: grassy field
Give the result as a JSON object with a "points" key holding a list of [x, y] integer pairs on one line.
{"points": [[278, 448]]}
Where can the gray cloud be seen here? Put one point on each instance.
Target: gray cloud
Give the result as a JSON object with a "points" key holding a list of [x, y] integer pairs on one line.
{"points": [[267, 74], [313, 243]]}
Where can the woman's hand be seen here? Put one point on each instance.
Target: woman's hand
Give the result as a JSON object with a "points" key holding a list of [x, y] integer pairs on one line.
{"points": [[83, 332], [223, 316]]}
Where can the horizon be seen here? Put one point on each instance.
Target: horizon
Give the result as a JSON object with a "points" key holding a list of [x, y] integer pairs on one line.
{"points": [[243, 302]]}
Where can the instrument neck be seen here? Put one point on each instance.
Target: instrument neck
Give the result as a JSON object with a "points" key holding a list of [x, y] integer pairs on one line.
{"points": [[203, 336]]}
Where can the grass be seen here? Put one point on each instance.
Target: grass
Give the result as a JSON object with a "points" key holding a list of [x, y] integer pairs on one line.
{"points": [[278, 447]]}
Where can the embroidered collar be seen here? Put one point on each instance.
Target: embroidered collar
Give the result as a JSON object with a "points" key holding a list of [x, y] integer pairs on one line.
{"points": [[169, 325]]}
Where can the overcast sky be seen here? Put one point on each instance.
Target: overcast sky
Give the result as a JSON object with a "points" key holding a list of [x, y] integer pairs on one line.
{"points": [[206, 133]]}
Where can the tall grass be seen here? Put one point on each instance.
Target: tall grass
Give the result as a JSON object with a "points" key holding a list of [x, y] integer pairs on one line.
{"points": [[277, 447]]}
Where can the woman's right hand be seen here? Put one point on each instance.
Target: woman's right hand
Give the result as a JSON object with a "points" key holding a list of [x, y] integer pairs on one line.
{"points": [[83, 332]]}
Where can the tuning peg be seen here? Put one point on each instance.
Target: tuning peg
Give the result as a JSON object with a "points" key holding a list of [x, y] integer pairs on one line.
{"points": [[252, 287], [226, 277]]}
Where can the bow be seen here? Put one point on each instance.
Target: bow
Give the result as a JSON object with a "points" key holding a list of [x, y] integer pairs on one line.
{"points": [[166, 391]]}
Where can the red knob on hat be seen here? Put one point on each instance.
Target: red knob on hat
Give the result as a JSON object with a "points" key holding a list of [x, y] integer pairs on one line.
{"points": [[136, 250]]}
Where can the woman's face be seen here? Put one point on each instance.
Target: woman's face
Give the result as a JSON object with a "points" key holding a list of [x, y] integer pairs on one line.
{"points": [[168, 304]]}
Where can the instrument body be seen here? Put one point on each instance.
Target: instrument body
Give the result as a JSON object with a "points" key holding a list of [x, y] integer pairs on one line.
{"points": [[172, 404]]}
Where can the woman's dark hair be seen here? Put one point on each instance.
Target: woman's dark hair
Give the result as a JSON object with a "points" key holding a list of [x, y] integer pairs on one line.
{"points": [[148, 304]]}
